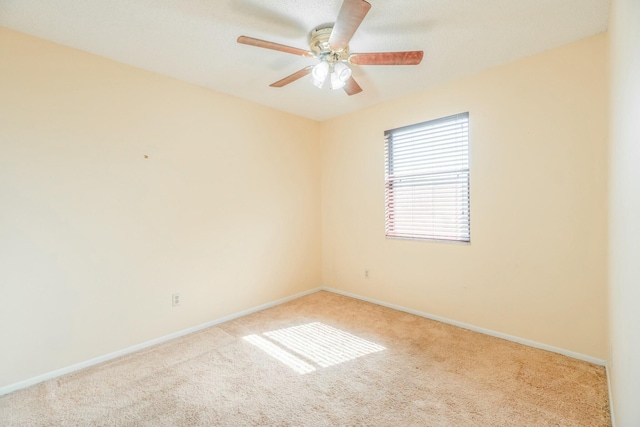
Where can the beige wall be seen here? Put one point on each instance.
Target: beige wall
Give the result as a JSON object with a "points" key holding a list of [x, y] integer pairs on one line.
{"points": [[536, 265], [624, 363], [94, 238]]}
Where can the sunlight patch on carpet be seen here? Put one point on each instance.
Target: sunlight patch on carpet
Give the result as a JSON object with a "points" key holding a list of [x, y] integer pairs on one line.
{"points": [[316, 342], [295, 363]]}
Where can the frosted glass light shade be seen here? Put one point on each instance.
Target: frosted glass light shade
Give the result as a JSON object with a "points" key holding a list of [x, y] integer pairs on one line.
{"points": [[342, 70], [336, 83], [319, 73]]}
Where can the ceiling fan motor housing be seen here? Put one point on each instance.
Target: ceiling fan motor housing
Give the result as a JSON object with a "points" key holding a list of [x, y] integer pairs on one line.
{"points": [[319, 44]]}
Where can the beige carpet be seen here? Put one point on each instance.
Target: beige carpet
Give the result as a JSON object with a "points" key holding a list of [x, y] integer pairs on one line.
{"points": [[323, 360]]}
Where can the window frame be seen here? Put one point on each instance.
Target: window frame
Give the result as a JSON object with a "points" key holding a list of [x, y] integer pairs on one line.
{"points": [[462, 185]]}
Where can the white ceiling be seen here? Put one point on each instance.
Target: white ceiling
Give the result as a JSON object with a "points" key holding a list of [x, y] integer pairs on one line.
{"points": [[195, 40]]}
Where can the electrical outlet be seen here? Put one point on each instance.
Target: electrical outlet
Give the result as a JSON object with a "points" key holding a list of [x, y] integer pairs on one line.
{"points": [[176, 300], [366, 274]]}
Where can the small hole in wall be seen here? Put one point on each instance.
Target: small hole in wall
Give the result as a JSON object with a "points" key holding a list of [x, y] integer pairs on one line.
{"points": [[146, 157]]}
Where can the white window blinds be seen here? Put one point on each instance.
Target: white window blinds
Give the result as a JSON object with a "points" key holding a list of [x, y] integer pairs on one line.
{"points": [[427, 180]]}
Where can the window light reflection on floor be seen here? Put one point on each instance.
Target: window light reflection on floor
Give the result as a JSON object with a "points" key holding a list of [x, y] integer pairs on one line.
{"points": [[316, 342], [295, 363]]}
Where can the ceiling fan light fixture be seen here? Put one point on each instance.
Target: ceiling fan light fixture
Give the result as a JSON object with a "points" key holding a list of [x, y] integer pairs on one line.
{"points": [[342, 70], [319, 73], [340, 74], [336, 83]]}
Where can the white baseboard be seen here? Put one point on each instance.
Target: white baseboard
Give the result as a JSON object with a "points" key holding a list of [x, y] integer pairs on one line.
{"points": [[100, 359], [613, 418], [496, 334]]}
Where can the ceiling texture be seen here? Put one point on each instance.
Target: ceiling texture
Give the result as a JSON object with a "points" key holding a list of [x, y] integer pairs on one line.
{"points": [[195, 40]]}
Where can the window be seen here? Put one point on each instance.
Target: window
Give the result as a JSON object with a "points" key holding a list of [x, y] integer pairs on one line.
{"points": [[427, 180]]}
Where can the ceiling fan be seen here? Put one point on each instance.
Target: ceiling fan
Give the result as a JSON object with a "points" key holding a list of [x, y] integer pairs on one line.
{"points": [[330, 45]]}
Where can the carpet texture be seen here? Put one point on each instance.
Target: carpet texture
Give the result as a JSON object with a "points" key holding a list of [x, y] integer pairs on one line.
{"points": [[323, 360]]}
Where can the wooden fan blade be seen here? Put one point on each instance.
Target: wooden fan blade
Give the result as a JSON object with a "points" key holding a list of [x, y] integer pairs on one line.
{"points": [[349, 19], [352, 87], [293, 77], [273, 46], [413, 57]]}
